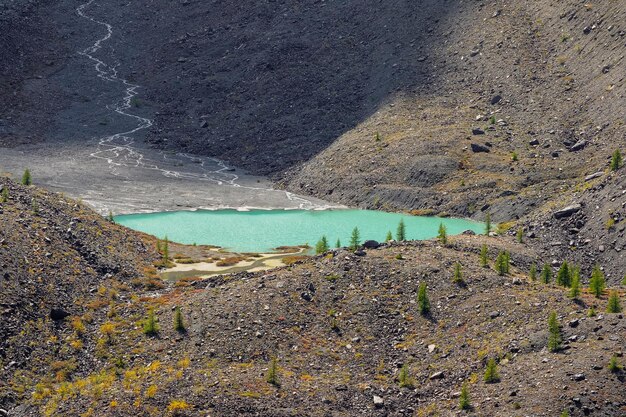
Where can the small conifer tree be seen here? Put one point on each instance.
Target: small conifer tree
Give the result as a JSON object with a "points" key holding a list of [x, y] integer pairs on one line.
{"points": [[563, 277], [458, 277], [554, 339], [338, 244], [464, 400], [401, 232], [597, 282], [322, 245], [614, 365], [179, 324], [484, 256], [614, 305], [110, 217], [574, 291], [26, 178], [443, 234], [487, 223], [422, 300], [491, 372], [404, 379], [5, 194], [520, 235], [389, 236], [546, 274], [616, 160], [503, 262], [533, 272], [150, 325], [34, 206], [355, 239], [165, 247], [565, 413], [272, 372]]}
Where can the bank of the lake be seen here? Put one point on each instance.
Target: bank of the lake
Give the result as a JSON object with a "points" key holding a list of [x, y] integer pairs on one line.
{"points": [[263, 230]]}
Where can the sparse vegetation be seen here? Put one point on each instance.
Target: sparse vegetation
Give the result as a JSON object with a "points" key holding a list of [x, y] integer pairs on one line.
{"points": [[322, 245], [150, 325], [546, 274], [487, 223], [401, 232], [404, 379], [179, 324], [563, 277], [443, 234], [555, 338], [503, 263], [458, 277], [597, 282], [355, 239], [613, 305], [491, 372], [464, 399], [614, 365], [616, 160], [484, 253], [533, 272], [272, 372], [27, 178], [423, 303], [5, 194]]}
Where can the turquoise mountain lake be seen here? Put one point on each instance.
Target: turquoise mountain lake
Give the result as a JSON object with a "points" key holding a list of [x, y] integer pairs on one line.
{"points": [[263, 230]]}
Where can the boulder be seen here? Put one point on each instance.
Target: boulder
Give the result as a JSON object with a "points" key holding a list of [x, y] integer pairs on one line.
{"points": [[57, 314], [477, 131], [578, 145], [371, 244], [496, 99], [477, 148], [567, 211]]}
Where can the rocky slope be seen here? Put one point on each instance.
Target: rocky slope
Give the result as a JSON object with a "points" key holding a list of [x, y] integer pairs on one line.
{"points": [[341, 327], [56, 257]]}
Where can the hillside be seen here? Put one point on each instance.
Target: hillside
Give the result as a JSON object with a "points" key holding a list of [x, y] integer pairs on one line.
{"points": [[341, 327], [57, 257]]}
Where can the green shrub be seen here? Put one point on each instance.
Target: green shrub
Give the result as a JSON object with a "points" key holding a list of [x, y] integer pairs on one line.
{"points": [[322, 245], [458, 277], [597, 282], [574, 291], [487, 223], [272, 372], [401, 231], [514, 157], [443, 234], [616, 160], [179, 324], [491, 372], [614, 305], [422, 300], [563, 277], [150, 325], [464, 400], [355, 239], [555, 338], [484, 253], [404, 379], [26, 178], [546, 274], [5, 194], [614, 365], [503, 263]]}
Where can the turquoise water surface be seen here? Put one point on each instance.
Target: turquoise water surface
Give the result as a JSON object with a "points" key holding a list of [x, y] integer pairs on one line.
{"points": [[263, 230]]}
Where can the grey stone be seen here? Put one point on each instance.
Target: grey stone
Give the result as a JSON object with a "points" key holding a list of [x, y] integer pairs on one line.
{"points": [[378, 401], [477, 148], [567, 211], [437, 375]]}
